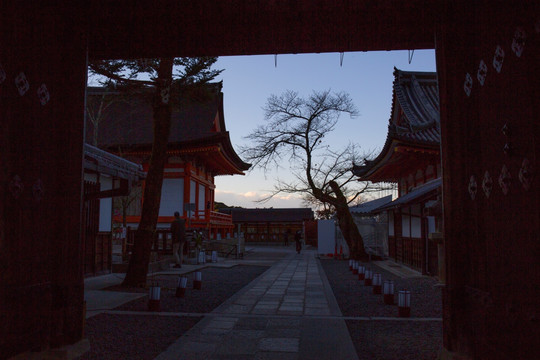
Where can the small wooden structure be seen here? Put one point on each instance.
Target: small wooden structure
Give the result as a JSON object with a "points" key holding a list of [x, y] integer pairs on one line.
{"points": [[105, 176]]}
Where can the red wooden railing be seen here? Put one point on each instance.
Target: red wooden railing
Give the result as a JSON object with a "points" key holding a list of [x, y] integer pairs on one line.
{"points": [[201, 217], [220, 217]]}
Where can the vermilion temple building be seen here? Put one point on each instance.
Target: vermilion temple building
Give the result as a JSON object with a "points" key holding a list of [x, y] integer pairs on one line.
{"points": [[410, 157], [199, 150]]}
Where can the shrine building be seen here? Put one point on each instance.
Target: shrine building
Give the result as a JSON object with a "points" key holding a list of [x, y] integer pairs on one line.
{"points": [[199, 149], [411, 158]]}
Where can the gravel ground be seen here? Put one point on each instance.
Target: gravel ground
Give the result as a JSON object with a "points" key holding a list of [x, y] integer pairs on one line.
{"points": [[218, 284], [141, 337], [388, 339], [355, 299], [396, 340]]}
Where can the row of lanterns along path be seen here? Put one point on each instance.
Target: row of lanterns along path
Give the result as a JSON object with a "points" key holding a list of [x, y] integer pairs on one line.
{"points": [[385, 288], [154, 294]]}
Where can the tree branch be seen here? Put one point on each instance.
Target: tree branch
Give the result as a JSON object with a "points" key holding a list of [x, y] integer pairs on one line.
{"points": [[113, 76]]}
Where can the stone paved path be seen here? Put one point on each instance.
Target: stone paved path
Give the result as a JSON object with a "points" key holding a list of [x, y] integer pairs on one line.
{"points": [[289, 312]]}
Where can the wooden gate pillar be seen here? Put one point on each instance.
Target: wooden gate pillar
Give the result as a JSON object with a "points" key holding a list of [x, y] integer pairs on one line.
{"points": [[489, 82], [42, 87]]}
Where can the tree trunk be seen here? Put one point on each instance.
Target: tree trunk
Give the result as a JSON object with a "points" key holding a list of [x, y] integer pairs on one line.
{"points": [[347, 225], [144, 236]]}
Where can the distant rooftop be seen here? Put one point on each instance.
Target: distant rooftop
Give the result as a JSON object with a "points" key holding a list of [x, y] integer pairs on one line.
{"points": [[416, 195], [367, 208], [269, 215]]}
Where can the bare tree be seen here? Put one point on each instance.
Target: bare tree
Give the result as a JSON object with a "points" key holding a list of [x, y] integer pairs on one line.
{"points": [[295, 128], [168, 88], [127, 204], [96, 107], [337, 167]]}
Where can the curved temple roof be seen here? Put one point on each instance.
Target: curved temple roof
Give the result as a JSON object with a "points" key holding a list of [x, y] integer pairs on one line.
{"points": [[417, 95], [197, 126], [414, 124]]}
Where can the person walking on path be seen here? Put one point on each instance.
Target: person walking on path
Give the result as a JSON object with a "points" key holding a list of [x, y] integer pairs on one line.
{"points": [[286, 237], [298, 241], [178, 231]]}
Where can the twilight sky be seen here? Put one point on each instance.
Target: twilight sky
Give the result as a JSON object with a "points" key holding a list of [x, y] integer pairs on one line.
{"points": [[249, 80]]}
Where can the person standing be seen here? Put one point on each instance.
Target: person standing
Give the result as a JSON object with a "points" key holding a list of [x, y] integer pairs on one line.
{"points": [[286, 237], [298, 240], [178, 231]]}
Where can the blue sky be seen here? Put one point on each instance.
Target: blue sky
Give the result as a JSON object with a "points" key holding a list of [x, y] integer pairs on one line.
{"points": [[249, 80]]}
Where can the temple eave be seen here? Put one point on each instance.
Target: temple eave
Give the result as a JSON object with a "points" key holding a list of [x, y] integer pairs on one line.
{"points": [[398, 164]]}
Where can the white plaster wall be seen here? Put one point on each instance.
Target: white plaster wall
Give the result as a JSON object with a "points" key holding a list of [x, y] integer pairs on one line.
{"points": [[405, 225], [431, 224], [326, 236], [192, 194], [416, 227], [90, 177], [172, 197], [105, 205]]}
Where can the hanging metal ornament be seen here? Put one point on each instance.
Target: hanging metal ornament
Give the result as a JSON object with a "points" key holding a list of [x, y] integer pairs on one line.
{"points": [[505, 180], [2, 74], [468, 84], [518, 42], [473, 187], [506, 130], [410, 55], [498, 59], [37, 190], [16, 186], [21, 83], [43, 94], [482, 72], [525, 174], [508, 149], [487, 184], [165, 94]]}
